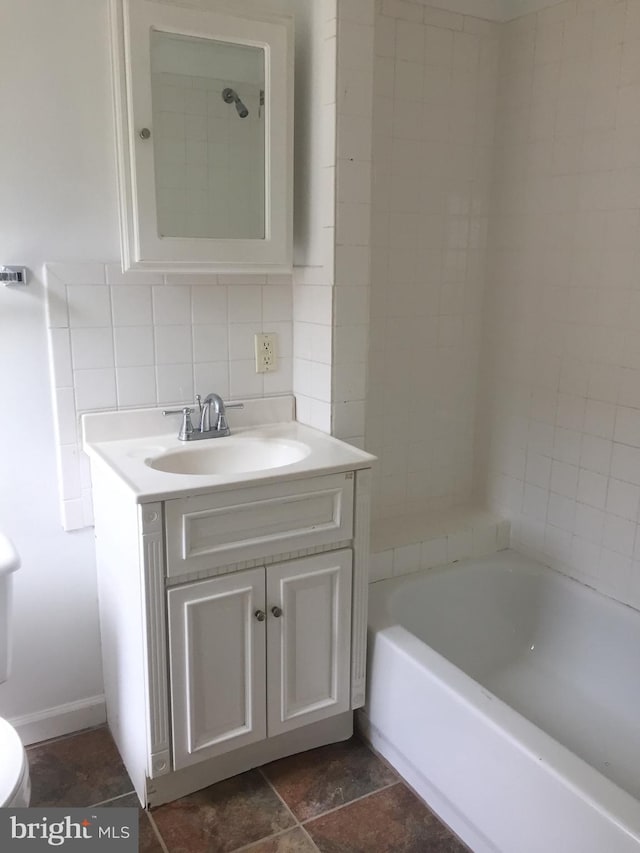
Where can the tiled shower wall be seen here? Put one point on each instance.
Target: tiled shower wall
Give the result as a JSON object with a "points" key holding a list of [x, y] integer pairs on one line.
{"points": [[562, 430], [140, 339], [434, 108]]}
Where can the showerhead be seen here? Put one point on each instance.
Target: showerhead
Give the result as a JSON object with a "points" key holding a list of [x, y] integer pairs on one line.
{"points": [[230, 96]]}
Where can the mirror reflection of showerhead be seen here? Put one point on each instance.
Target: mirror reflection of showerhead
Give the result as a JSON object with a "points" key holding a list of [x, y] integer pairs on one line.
{"points": [[230, 96]]}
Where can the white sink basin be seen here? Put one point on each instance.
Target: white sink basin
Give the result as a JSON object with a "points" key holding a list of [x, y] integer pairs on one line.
{"points": [[230, 456]]}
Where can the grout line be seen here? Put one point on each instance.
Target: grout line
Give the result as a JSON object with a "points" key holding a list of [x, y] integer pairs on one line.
{"points": [[410, 787], [112, 799], [276, 792], [253, 844], [351, 802], [156, 831], [311, 841]]}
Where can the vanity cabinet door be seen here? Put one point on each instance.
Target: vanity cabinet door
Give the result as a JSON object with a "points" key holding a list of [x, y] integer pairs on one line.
{"points": [[308, 640], [217, 659]]}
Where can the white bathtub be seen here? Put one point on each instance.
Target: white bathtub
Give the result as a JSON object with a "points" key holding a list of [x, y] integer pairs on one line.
{"points": [[508, 696]]}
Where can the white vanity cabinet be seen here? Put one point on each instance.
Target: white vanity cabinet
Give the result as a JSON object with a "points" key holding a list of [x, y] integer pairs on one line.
{"points": [[256, 653], [233, 622]]}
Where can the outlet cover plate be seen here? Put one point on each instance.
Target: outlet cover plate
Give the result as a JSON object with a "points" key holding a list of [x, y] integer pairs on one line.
{"points": [[266, 352]]}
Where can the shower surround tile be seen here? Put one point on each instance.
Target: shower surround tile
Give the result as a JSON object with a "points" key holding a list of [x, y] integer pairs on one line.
{"points": [[558, 437], [434, 105]]}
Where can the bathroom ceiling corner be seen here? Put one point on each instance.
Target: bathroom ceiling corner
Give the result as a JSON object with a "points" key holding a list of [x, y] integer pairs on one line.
{"points": [[492, 10], [511, 9]]}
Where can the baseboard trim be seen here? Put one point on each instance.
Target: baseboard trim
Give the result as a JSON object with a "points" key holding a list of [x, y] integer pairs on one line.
{"points": [[61, 720]]}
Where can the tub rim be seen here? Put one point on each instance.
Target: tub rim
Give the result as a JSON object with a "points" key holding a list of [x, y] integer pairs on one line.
{"points": [[603, 795]]}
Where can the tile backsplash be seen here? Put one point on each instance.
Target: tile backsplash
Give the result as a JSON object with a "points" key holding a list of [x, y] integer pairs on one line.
{"points": [[141, 339]]}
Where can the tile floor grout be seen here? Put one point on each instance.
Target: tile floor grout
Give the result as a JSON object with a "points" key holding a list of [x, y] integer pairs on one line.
{"points": [[418, 796], [351, 802], [254, 844], [286, 805], [111, 800], [156, 831], [311, 841], [343, 780]]}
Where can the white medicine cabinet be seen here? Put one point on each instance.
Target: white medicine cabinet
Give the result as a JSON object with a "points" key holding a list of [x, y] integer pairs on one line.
{"points": [[204, 133]]}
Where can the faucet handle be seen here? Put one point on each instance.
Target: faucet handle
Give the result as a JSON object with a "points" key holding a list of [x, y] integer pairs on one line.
{"points": [[222, 425], [186, 428]]}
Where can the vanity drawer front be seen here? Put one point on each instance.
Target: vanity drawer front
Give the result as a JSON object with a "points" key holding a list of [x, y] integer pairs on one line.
{"points": [[209, 531]]}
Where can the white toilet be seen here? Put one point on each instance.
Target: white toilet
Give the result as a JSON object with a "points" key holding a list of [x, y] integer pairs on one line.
{"points": [[15, 785]]}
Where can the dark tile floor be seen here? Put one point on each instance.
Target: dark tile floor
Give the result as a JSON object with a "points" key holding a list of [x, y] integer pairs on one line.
{"points": [[337, 799]]}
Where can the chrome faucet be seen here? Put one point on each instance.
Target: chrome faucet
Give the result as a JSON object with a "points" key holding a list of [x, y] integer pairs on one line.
{"points": [[220, 427]]}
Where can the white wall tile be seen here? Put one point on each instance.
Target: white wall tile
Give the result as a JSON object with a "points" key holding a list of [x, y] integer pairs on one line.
{"points": [[66, 421], [210, 343], [136, 386], [133, 346], [623, 499], [171, 306], [92, 348], [89, 306], [242, 340], [173, 345], [280, 380], [243, 379], [174, 383], [245, 304], [60, 354], [86, 272], [381, 566], [139, 342], [209, 305], [131, 278], [95, 389], [426, 297], [433, 552], [560, 332], [277, 303], [406, 559], [131, 305], [212, 377]]}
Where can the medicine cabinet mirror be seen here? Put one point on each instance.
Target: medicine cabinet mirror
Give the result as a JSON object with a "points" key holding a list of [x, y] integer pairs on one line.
{"points": [[204, 130]]}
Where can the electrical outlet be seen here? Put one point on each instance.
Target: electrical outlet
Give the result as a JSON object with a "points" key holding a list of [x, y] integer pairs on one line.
{"points": [[266, 353]]}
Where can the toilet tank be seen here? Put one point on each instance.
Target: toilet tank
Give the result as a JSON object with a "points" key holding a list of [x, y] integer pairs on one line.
{"points": [[9, 562]]}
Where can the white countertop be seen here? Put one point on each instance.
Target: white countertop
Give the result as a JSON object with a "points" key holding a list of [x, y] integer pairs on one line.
{"points": [[124, 440]]}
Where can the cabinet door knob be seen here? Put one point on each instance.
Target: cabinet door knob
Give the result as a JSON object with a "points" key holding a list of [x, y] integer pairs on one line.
{"points": [[277, 612], [260, 615], [145, 133]]}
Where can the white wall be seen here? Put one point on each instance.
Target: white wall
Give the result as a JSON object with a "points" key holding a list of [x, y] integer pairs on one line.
{"points": [[562, 432], [58, 189], [434, 103]]}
